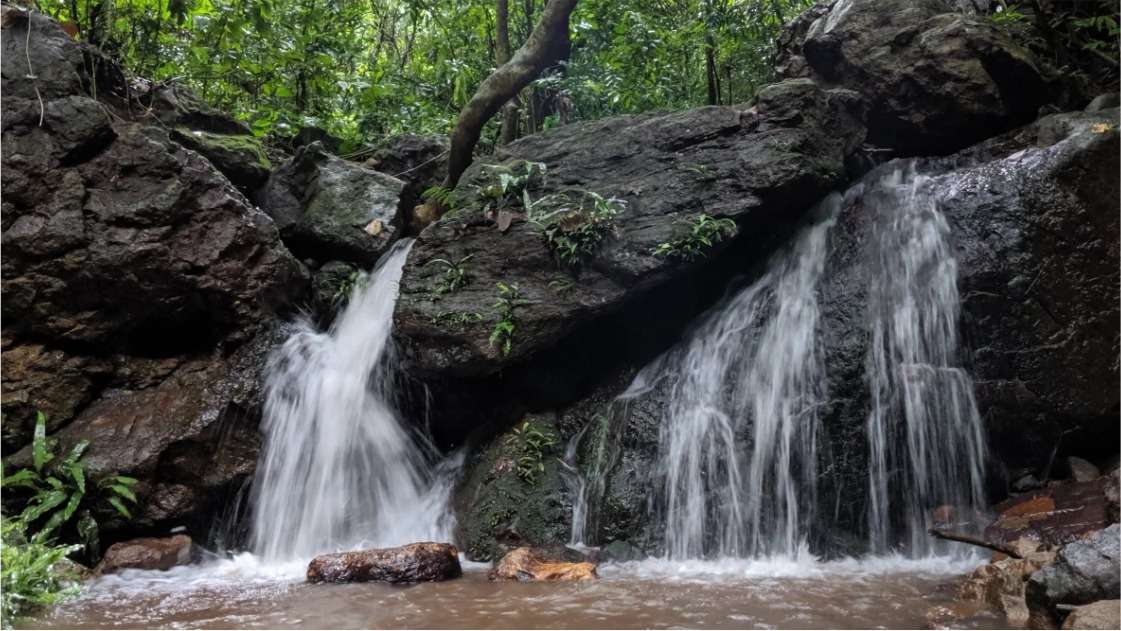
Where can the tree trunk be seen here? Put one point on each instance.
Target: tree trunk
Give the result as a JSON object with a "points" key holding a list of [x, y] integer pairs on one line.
{"points": [[710, 70], [509, 131], [546, 44]]}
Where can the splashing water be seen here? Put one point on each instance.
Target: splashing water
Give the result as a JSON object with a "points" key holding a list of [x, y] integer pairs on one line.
{"points": [[924, 430], [338, 469]]}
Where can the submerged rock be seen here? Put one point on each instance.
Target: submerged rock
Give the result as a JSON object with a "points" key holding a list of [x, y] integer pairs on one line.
{"points": [[1084, 571], [329, 209], [537, 564], [937, 80], [148, 553], [412, 563]]}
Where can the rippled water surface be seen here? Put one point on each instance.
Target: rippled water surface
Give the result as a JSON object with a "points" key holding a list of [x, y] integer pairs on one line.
{"points": [[651, 594]]}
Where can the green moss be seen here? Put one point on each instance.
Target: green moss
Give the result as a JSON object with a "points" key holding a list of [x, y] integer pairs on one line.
{"points": [[249, 147]]}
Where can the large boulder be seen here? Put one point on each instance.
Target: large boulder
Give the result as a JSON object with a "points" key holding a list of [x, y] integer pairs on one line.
{"points": [[329, 209], [937, 79], [140, 287], [146, 553], [240, 157], [412, 563], [1085, 571], [418, 161]]}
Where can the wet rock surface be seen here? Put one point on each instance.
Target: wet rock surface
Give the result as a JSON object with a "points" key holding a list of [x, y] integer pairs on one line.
{"points": [[1084, 571], [413, 563], [1104, 614], [540, 564], [937, 79], [1054, 515], [149, 553], [329, 209]]}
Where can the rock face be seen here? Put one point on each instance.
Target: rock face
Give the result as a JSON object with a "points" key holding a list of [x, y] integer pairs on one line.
{"points": [[413, 563], [1104, 614], [936, 79], [149, 553], [140, 286], [1085, 571], [531, 564], [418, 161], [329, 209]]}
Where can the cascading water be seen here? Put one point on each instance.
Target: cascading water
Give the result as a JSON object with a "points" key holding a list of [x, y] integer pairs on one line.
{"points": [[339, 469], [924, 430], [752, 368]]}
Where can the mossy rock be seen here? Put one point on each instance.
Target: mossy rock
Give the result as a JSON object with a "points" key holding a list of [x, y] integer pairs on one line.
{"points": [[240, 157], [501, 507]]}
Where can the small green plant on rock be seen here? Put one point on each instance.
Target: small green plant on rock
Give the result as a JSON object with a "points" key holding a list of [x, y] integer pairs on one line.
{"points": [[502, 336], [445, 197], [456, 318], [32, 570], [343, 292], [454, 277], [575, 230], [529, 444], [704, 232], [62, 493]]}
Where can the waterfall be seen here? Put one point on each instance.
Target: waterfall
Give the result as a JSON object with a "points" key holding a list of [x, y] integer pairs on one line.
{"points": [[740, 428], [924, 430], [339, 470]]}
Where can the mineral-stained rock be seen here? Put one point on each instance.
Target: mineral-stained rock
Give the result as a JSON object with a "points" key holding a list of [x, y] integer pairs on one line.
{"points": [[148, 553], [937, 80], [1084, 571], [1104, 614], [325, 207], [1055, 515], [532, 564], [412, 563]]}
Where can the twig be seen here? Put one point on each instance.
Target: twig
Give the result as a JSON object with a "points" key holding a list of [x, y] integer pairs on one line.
{"points": [[30, 72], [974, 541]]}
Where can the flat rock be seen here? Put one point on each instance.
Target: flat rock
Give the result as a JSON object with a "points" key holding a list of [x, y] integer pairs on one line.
{"points": [[1104, 614], [412, 563]]}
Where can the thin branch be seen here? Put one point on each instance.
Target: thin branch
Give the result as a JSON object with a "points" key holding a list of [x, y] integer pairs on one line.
{"points": [[975, 541]]}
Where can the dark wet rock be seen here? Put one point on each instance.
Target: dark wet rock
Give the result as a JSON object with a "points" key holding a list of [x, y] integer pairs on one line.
{"points": [[762, 168], [329, 209], [149, 553], [537, 564], [620, 551], [1104, 102], [413, 563], [418, 161], [1104, 614], [936, 79], [1113, 496], [310, 134], [241, 158], [177, 107], [1025, 482], [1085, 571], [1082, 470]]}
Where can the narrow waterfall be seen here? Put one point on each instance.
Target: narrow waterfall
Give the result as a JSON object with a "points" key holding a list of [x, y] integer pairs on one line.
{"points": [[739, 435], [339, 470], [924, 431]]}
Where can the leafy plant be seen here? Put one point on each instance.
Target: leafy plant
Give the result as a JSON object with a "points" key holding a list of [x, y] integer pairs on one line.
{"points": [[507, 186], [575, 230], [562, 285], [447, 198], [343, 292], [502, 336], [61, 492], [704, 232], [32, 573], [530, 443], [455, 275], [457, 318]]}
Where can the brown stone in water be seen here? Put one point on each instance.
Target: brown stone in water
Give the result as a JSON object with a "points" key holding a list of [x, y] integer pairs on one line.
{"points": [[413, 563], [1054, 515], [148, 553], [532, 564]]}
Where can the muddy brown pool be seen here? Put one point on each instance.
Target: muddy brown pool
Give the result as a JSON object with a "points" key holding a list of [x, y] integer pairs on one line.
{"points": [[882, 593]]}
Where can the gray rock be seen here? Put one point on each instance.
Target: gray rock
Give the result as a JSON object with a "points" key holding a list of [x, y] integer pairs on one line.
{"points": [[1082, 470], [1085, 571], [331, 209], [937, 79], [1103, 102]]}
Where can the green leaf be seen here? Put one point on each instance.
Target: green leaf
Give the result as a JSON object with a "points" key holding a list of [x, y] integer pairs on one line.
{"points": [[27, 478], [40, 453], [124, 491], [117, 504], [43, 503], [76, 452], [79, 476]]}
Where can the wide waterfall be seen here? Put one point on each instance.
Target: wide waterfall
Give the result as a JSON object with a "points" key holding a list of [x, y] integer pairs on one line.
{"points": [[339, 469], [740, 456], [924, 431]]}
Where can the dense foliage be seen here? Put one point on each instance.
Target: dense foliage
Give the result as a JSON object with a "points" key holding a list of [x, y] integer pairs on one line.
{"points": [[31, 570], [364, 69]]}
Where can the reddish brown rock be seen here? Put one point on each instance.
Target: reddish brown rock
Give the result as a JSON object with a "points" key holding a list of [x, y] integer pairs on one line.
{"points": [[535, 564], [1054, 515], [1104, 614], [413, 563], [148, 553]]}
